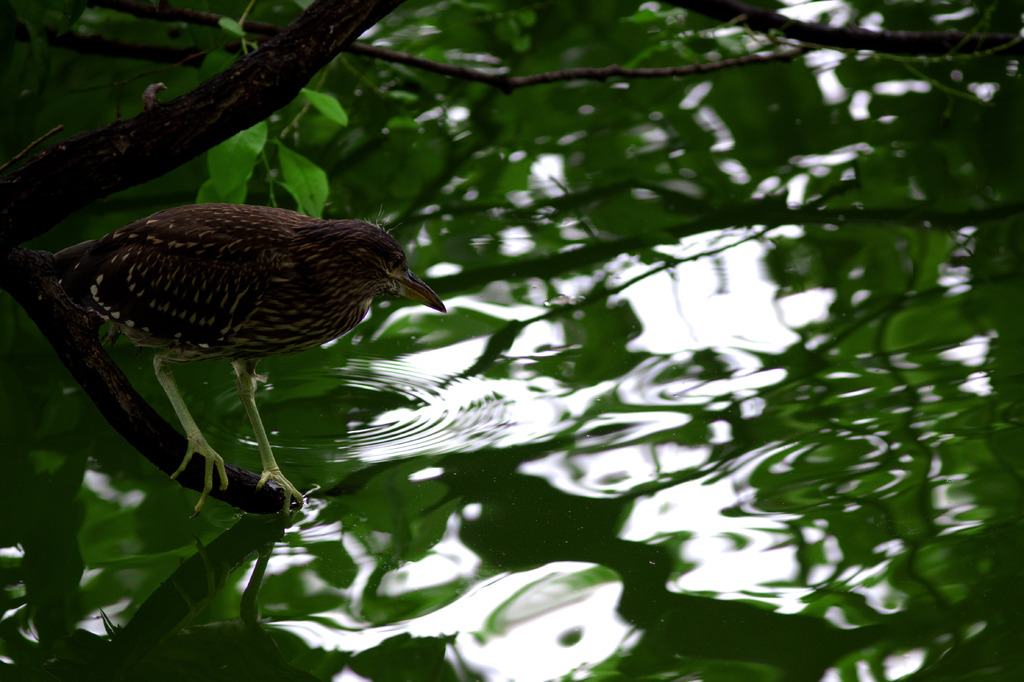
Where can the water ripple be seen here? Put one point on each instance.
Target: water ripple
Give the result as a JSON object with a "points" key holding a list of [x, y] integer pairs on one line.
{"points": [[372, 409], [438, 414]]}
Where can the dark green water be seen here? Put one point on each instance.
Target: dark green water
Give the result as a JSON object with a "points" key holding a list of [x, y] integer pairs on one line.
{"points": [[771, 463], [730, 389]]}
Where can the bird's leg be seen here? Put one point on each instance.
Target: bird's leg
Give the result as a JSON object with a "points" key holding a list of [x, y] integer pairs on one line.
{"points": [[245, 370], [196, 440]]}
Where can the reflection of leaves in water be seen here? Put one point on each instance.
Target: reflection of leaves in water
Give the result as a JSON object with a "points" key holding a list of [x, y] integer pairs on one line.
{"points": [[843, 504]]}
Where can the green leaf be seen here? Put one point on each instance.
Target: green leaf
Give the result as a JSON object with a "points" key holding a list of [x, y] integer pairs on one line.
{"points": [[231, 27], [304, 180], [215, 62], [72, 11], [33, 15], [328, 105], [209, 194], [231, 162], [29, 11]]}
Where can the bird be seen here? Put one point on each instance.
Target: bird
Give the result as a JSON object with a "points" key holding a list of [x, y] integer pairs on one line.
{"points": [[238, 283]]}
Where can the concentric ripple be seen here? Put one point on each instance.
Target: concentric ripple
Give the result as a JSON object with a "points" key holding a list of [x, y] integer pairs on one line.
{"points": [[433, 414], [372, 409]]}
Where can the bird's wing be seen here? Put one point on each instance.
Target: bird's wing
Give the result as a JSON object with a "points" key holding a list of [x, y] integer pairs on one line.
{"points": [[182, 280]]}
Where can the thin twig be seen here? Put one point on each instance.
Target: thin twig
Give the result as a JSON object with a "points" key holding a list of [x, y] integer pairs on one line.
{"points": [[501, 81], [25, 152], [856, 37], [162, 12], [605, 72]]}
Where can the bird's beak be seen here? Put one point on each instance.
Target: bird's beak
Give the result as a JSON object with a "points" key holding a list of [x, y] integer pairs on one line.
{"points": [[414, 289]]}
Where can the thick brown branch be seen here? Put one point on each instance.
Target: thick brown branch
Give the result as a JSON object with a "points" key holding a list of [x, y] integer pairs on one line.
{"points": [[28, 276], [79, 170], [854, 37]]}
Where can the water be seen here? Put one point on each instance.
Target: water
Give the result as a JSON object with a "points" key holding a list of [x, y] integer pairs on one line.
{"points": [[730, 389], [742, 454]]}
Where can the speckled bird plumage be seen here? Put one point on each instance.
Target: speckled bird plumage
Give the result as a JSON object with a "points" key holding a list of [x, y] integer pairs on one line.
{"points": [[231, 281], [238, 283]]}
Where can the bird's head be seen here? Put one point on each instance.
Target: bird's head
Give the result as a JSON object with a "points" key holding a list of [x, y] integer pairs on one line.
{"points": [[381, 261]]}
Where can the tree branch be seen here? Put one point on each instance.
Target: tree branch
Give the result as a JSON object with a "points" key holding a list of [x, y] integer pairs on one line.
{"points": [[162, 12], [505, 83], [79, 170], [728, 11], [854, 37], [88, 166], [192, 57], [96, 44], [813, 35], [605, 72]]}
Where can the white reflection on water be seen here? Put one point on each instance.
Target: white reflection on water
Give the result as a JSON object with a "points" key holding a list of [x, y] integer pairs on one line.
{"points": [[455, 414], [733, 557], [612, 472], [564, 614], [727, 303], [532, 625], [732, 305]]}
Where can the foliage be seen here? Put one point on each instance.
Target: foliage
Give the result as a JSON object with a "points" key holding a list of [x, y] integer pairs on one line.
{"points": [[729, 389]]}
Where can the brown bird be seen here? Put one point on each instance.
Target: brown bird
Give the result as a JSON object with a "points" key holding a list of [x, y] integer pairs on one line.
{"points": [[238, 283]]}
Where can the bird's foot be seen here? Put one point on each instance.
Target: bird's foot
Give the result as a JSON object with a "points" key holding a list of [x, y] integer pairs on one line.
{"points": [[290, 491], [198, 444]]}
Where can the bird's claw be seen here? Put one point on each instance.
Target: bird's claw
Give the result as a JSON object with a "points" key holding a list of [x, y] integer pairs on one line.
{"points": [[290, 491], [198, 444]]}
